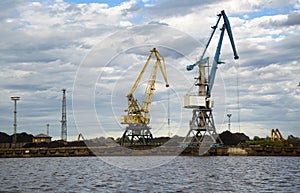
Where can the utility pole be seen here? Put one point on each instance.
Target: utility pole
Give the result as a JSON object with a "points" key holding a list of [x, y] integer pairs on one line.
{"points": [[228, 115], [48, 129], [64, 117], [15, 99]]}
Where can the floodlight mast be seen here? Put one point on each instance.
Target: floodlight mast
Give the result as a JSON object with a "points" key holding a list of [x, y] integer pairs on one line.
{"points": [[64, 117], [202, 122], [15, 99]]}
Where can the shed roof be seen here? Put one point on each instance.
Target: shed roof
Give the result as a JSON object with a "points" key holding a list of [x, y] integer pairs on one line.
{"points": [[41, 135]]}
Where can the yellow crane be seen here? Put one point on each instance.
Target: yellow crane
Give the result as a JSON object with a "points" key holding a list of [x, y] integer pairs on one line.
{"points": [[80, 136], [276, 135], [138, 116]]}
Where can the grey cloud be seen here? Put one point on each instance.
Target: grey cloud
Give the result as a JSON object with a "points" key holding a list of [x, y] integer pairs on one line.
{"points": [[275, 52], [24, 86], [8, 8], [180, 7], [293, 19], [134, 9], [157, 23]]}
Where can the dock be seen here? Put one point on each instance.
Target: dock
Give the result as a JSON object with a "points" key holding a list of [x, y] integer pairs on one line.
{"points": [[157, 151]]}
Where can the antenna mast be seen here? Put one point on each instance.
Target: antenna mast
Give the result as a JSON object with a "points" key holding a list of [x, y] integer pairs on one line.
{"points": [[64, 117]]}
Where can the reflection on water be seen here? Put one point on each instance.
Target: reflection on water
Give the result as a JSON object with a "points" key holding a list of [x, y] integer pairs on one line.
{"points": [[182, 174]]}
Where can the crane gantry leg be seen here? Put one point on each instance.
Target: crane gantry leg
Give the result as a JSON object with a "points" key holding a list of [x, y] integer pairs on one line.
{"points": [[202, 130], [137, 135]]}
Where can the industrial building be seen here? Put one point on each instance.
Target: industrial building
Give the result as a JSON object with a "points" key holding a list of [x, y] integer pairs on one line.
{"points": [[41, 138]]}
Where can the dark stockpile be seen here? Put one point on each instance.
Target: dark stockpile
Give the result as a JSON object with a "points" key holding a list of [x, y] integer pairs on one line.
{"points": [[242, 136], [229, 138], [24, 137], [55, 144], [4, 138], [21, 138]]}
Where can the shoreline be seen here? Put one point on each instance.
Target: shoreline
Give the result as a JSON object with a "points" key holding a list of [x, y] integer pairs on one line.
{"points": [[158, 151]]}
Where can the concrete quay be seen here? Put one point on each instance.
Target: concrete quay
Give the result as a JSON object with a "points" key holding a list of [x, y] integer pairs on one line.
{"points": [[142, 151]]}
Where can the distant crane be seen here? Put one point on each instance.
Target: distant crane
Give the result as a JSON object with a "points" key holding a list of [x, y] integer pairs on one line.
{"points": [[276, 136], [80, 136], [202, 123], [138, 116]]}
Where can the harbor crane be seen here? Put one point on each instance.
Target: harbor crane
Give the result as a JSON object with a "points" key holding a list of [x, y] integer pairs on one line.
{"points": [[276, 136], [202, 123], [138, 116]]}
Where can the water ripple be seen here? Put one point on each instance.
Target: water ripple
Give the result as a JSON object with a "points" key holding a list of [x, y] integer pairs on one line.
{"points": [[183, 174]]}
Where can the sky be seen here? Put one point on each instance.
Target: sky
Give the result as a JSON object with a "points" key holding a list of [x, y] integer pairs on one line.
{"points": [[96, 49]]}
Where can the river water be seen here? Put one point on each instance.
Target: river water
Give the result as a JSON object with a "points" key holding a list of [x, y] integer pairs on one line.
{"points": [[181, 174]]}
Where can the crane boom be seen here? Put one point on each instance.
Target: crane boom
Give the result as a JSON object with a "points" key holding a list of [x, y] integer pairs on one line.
{"points": [[141, 75], [228, 29], [216, 61], [151, 83], [226, 26]]}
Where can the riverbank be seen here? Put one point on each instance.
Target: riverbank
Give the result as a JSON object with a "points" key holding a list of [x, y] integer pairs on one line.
{"points": [[158, 151]]}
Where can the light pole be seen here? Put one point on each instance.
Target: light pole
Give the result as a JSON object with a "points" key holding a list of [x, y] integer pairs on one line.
{"points": [[228, 115], [48, 129], [15, 99]]}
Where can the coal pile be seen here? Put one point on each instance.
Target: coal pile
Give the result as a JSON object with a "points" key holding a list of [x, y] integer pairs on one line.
{"points": [[76, 144], [4, 138], [21, 138], [24, 137], [242, 137], [55, 144], [231, 139]]}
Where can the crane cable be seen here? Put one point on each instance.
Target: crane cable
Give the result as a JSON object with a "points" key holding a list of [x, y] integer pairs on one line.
{"points": [[238, 93], [169, 120]]}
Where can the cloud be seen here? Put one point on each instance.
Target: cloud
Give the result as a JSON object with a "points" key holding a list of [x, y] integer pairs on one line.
{"points": [[293, 19], [43, 44]]}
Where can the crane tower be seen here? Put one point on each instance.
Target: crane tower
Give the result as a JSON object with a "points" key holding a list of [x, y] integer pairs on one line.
{"points": [[138, 116], [202, 129]]}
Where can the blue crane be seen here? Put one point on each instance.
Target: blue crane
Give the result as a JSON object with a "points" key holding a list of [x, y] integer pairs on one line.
{"points": [[212, 74], [202, 130]]}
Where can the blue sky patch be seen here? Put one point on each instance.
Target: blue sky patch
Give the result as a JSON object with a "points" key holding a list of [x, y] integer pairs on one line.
{"points": [[261, 13], [110, 3]]}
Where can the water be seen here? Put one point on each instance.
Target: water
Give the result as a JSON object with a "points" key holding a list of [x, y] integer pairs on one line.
{"points": [[182, 174]]}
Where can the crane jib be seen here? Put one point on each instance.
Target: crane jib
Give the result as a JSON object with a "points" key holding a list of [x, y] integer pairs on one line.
{"points": [[226, 26], [140, 114]]}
